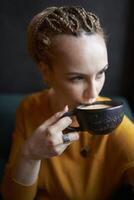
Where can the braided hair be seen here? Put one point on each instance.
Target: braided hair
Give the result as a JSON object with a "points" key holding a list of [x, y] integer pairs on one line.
{"points": [[71, 20]]}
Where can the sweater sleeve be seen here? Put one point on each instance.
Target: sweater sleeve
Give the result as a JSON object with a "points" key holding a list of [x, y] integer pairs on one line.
{"points": [[10, 188]]}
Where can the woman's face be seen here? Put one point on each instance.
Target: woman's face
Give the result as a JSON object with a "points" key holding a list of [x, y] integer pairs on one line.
{"points": [[79, 69]]}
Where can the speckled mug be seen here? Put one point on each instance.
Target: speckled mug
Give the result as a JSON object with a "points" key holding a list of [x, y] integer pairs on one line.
{"points": [[101, 117]]}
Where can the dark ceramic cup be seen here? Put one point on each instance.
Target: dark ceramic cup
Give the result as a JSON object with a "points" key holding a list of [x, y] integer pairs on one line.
{"points": [[101, 117]]}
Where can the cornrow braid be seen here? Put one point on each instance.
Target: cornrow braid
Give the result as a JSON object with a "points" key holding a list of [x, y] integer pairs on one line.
{"points": [[58, 20]]}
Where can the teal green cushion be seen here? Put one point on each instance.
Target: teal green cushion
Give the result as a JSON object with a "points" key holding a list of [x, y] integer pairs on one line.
{"points": [[2, 166], [8, 105]]}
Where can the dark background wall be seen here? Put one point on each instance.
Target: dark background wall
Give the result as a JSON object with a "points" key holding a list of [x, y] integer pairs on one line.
{"points": [[18, 74]]}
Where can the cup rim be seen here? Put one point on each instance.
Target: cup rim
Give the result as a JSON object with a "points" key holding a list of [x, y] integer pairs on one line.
{"points": [[112, 103]]}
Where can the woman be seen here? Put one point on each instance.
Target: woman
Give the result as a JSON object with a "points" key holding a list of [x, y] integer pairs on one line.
{"points": [[68, 45]]}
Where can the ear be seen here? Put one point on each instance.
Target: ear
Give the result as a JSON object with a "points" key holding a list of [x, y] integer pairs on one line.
{"points": [[45, 71]]}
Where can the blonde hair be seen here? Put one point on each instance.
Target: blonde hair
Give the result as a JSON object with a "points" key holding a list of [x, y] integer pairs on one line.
{"points": [[53, 21]]}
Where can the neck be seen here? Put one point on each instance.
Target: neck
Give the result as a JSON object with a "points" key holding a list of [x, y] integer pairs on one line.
{"points": [[55, 104]]}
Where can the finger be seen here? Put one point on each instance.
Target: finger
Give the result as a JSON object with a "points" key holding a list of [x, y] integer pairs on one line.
{"points": [[60, 125], [54, 118], [61, 147], [59, 138], [70, 137]]}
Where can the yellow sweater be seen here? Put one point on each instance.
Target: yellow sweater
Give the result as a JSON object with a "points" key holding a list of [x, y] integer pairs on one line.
{"points": [[71, 176]]}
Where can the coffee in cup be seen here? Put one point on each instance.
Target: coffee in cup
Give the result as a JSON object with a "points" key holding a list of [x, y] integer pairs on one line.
{"points": [[95, 106]]}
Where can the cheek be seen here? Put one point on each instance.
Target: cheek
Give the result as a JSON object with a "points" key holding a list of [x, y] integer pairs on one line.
{"points": [[64, 89], [71, 91], [74, 89], [100, 84]]}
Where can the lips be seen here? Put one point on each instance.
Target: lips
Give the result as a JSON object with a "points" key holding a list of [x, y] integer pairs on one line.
{"points": [[90, 101], [76, 104]]}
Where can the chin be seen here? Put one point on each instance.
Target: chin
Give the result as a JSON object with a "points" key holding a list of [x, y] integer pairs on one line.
{"points": [[74, 105]]}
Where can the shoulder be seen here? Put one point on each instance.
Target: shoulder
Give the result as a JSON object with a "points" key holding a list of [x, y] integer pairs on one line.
{"points": [[32, 111], [102, 98], [127, 125], [33, 106], [124, 132], [121, 141], [34, 100]]}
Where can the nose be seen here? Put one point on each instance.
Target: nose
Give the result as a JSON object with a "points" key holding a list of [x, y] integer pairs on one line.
{"points": [[90, 92]]}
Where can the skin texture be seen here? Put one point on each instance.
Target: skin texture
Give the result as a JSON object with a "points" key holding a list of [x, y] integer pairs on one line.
{"points": [[77, 76]]}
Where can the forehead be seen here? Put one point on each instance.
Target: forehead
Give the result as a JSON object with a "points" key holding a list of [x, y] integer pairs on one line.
{"points": [[66, 44], [81, 50]]}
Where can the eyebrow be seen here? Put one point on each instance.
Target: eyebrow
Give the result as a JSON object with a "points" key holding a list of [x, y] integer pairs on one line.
{"points": [[104, 69], [77, 73]]}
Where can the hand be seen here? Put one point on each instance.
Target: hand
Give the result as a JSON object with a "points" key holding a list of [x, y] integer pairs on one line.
{"points": [[47, 140]]}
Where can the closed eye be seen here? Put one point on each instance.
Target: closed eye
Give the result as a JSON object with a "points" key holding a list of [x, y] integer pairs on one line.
{"points": [[100, 73], [76, 78]]}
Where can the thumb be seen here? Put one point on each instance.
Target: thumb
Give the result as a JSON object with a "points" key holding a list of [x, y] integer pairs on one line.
{"points": [[55, 117]]}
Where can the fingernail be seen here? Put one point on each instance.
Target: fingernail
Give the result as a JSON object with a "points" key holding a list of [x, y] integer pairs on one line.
{"points": [[66, 108], [58, 114]]}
